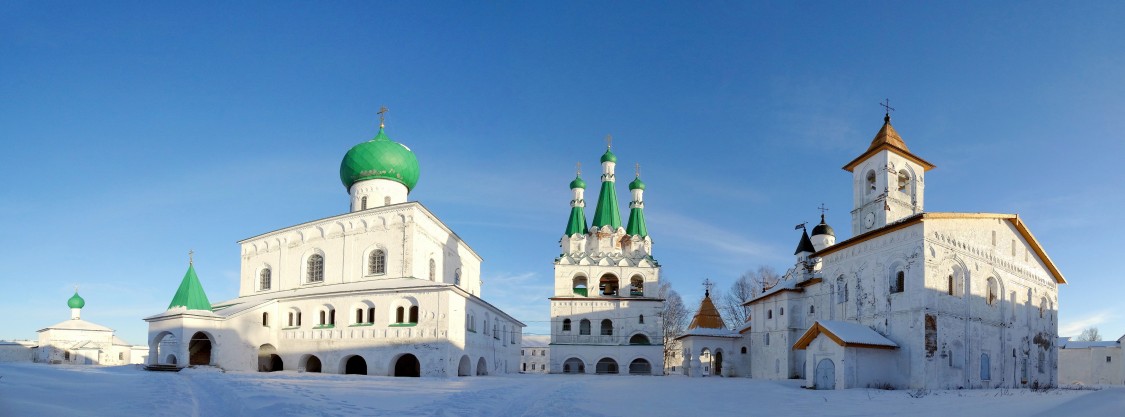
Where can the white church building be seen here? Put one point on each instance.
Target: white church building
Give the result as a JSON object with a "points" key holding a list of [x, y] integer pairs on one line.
{"points": [[605, 313], [913, 299], [385, 289], [80, 342]]}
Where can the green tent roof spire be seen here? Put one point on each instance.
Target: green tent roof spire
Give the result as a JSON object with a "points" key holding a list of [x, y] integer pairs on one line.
{"points": [[577, 222], [607, 213], [190, 294], [636, 222]]}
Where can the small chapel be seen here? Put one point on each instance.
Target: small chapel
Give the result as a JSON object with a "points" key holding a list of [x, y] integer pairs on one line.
{"points": [[81, 342], [913, 299], [384, 289], [606, 279]]}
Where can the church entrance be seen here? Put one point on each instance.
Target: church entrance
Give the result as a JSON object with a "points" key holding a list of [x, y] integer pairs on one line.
{"points": [[407, 365], [312, 364], [464, 368], [606, 366], [640, 367], [574, 366], [355, 365], [199, 349], [166, 345], [717, 363], [825, 374], [482, 367], [268, 360]]}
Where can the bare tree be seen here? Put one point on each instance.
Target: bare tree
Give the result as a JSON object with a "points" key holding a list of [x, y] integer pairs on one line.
{"points": [[1089, 334], [745, 288], [675, 316]]}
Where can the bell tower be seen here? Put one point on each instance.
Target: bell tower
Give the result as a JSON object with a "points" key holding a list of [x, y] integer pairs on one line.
{"points": [[887, 181]]}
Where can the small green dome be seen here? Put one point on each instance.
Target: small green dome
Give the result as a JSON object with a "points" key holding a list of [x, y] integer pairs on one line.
{"points": [[577, 183], [380, 158], [76, 301], [637, 184], [609, 156]]}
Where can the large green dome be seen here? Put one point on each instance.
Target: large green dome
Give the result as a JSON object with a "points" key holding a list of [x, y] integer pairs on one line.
{"points": [[76, 301], [379, 158]]}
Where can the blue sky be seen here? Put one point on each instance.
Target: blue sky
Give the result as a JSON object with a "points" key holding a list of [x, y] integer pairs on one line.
{"points": [[135, 131]]}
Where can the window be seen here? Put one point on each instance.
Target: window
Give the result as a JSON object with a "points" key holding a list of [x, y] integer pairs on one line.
{"points": [[371, 315], [579, 285], [769, 314], [525, 367], [457, 277], [495, 330], [870, 182], [767, 339], [358, 315], [532, 352], [363, 203], [607, 327], [782, 312], [315, 268], [413, 314], [899, 284], [812, 309], [400, 314], [1042, 307], [332, 316], [985, 367], [931, 335], [993, 290], [841, 290], [608, 285], [584, 327], [433, 270], [903, 181], [1108, 359], [264, 279], [641, 319], [323, 317], [949, 285], [290, 319], [120, 356], [265, 319], [387, 201], [744, 350], [637, 286], [66, 355], [298, 318], [566, 325], [377, 262]]}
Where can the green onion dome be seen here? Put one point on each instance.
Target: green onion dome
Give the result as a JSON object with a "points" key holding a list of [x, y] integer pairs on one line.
{"points": [[577, 183], [76, 301], [637, 184], [380, 158], [609, 156]]}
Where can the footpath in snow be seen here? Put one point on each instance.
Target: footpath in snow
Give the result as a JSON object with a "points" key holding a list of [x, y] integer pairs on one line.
{"points": [[35, 390]]}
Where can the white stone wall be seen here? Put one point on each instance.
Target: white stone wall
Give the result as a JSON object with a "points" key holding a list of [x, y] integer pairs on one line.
{"points": [[1096, 365], [535, 359], [18, 351]]}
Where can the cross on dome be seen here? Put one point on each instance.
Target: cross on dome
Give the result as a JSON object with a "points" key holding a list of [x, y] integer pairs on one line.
{"points": [[382, 116], [887, 106]]}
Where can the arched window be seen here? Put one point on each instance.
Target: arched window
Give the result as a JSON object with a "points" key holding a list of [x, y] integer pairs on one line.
{"points": [[769, 314], [290, 319], [841, 290], [641, 320], [904, 181], [812, 309], [870, 186], [371, 314], [781, 312], [400, 314], [358, 315], [332, 317], [993, 291], [298, 318], [433, 270], [377, 262], [639, 339], [899, 284], [363, 203], [495, 330], [413, 314], [637, 286], [264, 279], [315, 268], [265, 319], [608, 285], [584, 327], [985, 367], [579, 285], [607, 327], [566, 325], [744, 350]]}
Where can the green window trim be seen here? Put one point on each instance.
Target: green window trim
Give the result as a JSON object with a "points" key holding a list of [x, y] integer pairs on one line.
{"points": [[581, 291], [403, 324], [291, 328], [325, 326], [362, 325]]}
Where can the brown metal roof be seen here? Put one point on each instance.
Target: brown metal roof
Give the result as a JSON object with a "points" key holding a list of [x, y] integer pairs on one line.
{"points": [[708, 316], [888, 139]]}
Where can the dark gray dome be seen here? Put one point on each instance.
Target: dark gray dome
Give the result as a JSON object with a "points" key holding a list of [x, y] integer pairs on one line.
{"points": [[823, 228]]}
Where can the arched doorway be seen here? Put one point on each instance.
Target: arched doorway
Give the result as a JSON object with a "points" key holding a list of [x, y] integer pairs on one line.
{"points": [[312, 363], [465, 367], [639, 339], [640, 366], [606, 366], [268, 360], [199, 349], [355, 365], [407, 365], [166, 345], [825, 374], [171, 359], [717, 363], [482, 367], [574, 366]]}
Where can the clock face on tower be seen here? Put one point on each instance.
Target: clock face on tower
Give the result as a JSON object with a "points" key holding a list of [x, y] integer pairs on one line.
{"points": [[869, 220]]}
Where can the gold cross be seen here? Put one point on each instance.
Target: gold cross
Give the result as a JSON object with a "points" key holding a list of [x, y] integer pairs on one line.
{"points": [[190, 257], [608, 141], [382, 113]]}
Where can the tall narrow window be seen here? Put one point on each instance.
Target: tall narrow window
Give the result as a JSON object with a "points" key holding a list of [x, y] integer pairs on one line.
{"points": [[904, 181], [290, 319], [949, 285], [641, 320], [584, 327], [413, 314], [371, 315], [265, 319], [264, 279], [566, 325], [315, 268], [363, 203], [332, 316], [358, 315], [400, 314], [931, 335], [900, 282], [985, 367], [377, 262], [298, 318], [387, 201], [870, 186], [457, 277], [323, 317], [433, 270], [841, 290], [992, 296]]}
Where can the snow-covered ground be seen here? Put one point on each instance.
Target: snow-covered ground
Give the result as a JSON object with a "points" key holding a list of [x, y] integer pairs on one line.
{"points": [[28, 389]]}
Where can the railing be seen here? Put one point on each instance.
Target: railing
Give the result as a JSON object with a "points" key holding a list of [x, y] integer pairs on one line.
{"points": [[588, 339]]}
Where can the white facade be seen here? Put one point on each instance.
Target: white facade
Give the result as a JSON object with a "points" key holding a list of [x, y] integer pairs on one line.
{"points": [[605, 314], [1091, 363], [969, 299], [386, 289], [535, 359], [80, 342]]}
